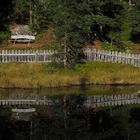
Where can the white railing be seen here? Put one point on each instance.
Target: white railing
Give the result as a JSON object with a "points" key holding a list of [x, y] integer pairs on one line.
{"points": [[112, 56], [27, 56], [48, 56]]}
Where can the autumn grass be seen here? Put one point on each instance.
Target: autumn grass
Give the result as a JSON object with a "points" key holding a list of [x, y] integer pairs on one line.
{"points": [[37, 75]]}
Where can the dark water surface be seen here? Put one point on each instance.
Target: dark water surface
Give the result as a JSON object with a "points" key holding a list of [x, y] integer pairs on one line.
{"points": [[68, 117]]}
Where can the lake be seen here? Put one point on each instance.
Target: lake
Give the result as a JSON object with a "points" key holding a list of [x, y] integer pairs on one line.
{"points": [[76, 113]]}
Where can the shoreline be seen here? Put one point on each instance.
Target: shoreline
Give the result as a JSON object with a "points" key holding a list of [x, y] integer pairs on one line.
{"points": [[72, 86]]}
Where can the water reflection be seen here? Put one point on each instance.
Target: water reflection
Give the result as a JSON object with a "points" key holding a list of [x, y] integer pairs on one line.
{"points": [[71, 117], [96, 90]]}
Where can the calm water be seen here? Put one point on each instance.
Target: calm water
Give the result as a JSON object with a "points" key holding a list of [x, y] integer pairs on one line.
{"points": [[68, 118]]}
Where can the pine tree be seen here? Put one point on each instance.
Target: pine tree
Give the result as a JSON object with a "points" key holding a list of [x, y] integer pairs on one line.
{"points": [[21, 11], [71, 22], [5, 10], [136, 21]]}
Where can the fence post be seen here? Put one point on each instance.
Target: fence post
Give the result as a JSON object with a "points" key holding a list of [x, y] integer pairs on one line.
{"points": [[36, 56]]}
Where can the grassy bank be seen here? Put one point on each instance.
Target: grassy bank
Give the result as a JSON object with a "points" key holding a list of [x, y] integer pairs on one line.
{"points": [[34, 75]]}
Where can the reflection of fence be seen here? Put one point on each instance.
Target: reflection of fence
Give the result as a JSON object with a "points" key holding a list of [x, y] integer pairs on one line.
{"points": [[24, 102], [90, 101], [113, 100], [27, 56], [112, 56], [30, 100]]}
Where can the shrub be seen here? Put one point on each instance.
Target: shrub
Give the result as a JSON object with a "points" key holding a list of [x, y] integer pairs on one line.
{"points": [[4, 36], [117, 46]]}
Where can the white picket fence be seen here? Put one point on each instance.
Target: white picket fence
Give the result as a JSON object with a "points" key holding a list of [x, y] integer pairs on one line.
{"points": [[49, 56], [112, 56], [26, 56]]}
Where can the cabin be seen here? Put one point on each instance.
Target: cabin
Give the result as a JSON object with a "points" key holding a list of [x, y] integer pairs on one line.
{"points": [[22, 34], [22, 38]]}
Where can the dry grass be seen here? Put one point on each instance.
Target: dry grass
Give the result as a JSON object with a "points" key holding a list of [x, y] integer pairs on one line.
{"points": [[23, 75], [135, 48]]}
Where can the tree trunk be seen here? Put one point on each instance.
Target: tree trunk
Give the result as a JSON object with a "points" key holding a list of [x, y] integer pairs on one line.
{"points": [[31, 13], [65, 50], [111, 42], [65, 111], [101, 30], [65, 37], [130, 2]]}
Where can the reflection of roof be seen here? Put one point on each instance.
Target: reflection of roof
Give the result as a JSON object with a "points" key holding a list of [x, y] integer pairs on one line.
{"points": [[22, 116], [28, 110]]}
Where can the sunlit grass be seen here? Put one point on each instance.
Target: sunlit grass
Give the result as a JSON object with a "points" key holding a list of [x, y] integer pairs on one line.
{"points": [[33, 75]]}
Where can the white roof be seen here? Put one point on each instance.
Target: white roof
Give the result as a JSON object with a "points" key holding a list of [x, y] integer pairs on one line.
{"points": [[16, 37]]}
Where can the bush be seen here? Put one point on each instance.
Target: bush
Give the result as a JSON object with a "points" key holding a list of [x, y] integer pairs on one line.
{"points": [[107, 46], [50, 46], [4, 36], [117, 46]]}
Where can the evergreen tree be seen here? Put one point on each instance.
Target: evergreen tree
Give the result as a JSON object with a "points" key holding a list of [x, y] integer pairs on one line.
{"points": [[33, 12], [21, 11], [71, 23], [40, 14], [5, 10], [77, 21], [121, 34], [136, 21]]}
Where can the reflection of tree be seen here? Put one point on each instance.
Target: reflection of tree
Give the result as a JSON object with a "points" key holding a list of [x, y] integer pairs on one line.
{"points": [[121, 123], [135, 123], [70, 120]]}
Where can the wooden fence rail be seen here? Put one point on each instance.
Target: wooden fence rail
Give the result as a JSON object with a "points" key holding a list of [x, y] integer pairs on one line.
{"points": [[112, 56]]}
